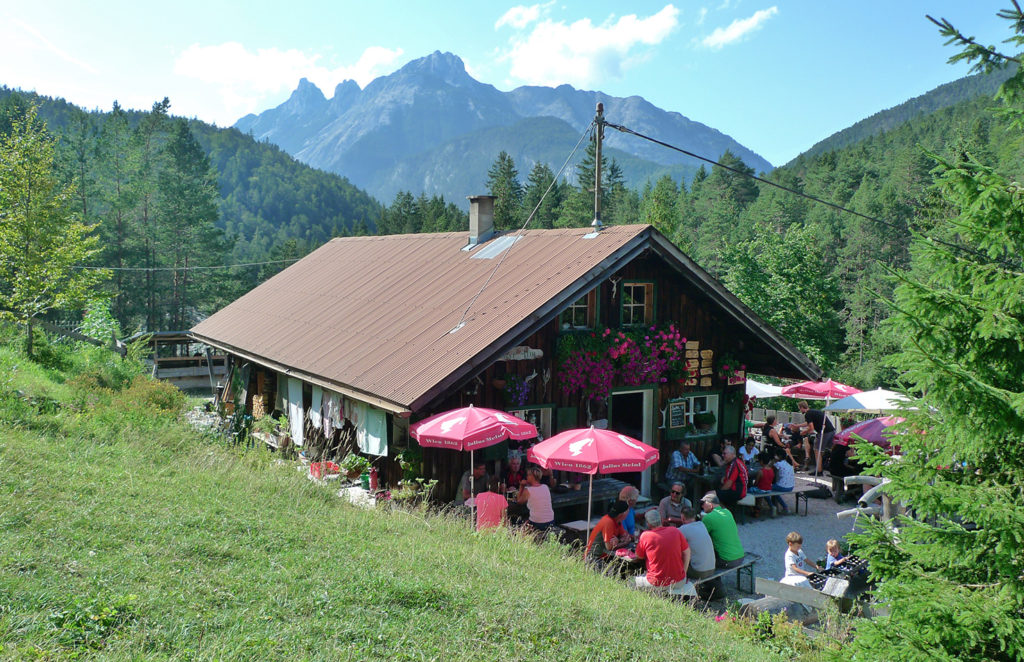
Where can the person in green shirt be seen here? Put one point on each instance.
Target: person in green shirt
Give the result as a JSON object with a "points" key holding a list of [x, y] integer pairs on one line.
{"points": [[724, 535]]}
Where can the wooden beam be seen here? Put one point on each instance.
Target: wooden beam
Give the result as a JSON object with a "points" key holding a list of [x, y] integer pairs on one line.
{"points": [[805, 596]]}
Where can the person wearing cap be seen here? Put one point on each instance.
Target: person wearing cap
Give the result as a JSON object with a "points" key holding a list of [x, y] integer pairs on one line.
{"points": [[608, 535], [724, 535], [666, 551]]}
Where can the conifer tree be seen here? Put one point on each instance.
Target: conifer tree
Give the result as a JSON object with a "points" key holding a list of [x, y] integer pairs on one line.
{"points": [[503, 183], [951, 571]]}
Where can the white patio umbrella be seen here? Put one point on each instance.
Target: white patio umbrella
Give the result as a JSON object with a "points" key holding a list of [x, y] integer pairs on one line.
{"points": [[759, 390], [878, 401]]}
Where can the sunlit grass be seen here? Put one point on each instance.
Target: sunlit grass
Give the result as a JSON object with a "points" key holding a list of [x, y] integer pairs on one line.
{"points": [[128, 538]]}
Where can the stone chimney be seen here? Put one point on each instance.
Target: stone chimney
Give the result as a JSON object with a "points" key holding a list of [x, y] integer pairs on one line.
{"points": [[481, 218]]}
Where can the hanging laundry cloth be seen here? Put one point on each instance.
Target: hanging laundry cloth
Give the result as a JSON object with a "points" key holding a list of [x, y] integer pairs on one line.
{"points": [[332, 402], [315, 415], [295, 412], [371, 432]]}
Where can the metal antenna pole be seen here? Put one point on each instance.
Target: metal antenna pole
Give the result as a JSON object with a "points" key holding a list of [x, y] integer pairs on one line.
{"points": [[598, 136]]}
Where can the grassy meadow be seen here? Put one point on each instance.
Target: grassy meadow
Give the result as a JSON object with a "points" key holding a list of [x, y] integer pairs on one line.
{"points": [[126, 535]]}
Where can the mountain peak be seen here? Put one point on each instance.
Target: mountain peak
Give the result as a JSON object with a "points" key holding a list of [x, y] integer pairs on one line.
{"points": [[306, 97], [446, 66]]}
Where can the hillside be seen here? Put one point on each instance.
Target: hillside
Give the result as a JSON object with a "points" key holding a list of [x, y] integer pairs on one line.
{"points": [[967, 88], [266, 196], [378, 136], [127, 536]]}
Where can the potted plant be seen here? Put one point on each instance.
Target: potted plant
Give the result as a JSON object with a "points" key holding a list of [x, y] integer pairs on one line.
{"points": [[704, 420], [354, 465]]}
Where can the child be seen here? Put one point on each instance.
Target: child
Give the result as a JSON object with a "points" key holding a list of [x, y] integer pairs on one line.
{"points": [[785, 480], [835, 555], [797, 563], [763, 484]]}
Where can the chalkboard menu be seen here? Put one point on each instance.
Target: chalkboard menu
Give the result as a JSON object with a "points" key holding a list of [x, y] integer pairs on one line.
{"points": [[677, 414]]}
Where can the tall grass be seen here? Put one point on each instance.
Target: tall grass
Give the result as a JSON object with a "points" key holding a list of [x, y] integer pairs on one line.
{"points": [[124, 535]]}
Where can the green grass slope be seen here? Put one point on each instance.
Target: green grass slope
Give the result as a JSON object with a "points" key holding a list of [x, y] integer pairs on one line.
{"points": [[125, 535]]}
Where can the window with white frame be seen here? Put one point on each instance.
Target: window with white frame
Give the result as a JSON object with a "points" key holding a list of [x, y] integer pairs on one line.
{"points": [[637, 304], [580, 314]]}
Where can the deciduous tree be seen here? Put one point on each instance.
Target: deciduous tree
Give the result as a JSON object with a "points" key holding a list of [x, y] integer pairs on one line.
{"points": [[43, 243]]}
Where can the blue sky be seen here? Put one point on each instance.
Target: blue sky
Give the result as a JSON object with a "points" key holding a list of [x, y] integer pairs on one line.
{"points": [[776, 76]]}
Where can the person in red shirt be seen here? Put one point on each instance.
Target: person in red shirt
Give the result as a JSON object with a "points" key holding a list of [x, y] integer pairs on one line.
{"points": [[763, 482], [734, 482], [666, 551], [608, 535]]}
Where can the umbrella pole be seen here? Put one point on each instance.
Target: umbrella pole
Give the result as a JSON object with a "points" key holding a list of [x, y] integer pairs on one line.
{"points": [[472, 492], [590, 504], [819, 462]]}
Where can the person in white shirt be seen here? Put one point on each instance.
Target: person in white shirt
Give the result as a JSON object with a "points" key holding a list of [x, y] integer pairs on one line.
{"points": [[797, 564], [748, 453]]}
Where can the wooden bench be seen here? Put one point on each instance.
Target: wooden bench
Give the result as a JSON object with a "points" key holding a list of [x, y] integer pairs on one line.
{"points": [[749, 501], [745, 569]]}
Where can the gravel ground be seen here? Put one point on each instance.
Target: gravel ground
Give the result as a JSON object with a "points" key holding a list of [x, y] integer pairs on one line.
{"points": [[767, 537]]}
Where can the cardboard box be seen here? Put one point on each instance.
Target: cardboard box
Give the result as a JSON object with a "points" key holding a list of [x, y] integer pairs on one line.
{"points": [[692, 381], [690, 344], [705, 371], [692, 354], [707, 353], [692, 364], [705, 381]]}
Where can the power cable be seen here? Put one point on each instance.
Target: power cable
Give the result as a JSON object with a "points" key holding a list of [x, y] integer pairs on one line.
{"points": [[529, 218], [957, 247], [185, 269]]}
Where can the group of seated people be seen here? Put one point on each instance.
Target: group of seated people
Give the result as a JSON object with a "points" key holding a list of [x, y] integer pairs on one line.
{"points": [[700, 543], [735, 473]]}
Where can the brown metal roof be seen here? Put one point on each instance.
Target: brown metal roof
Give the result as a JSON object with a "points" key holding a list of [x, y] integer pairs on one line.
{"points": [[374, 313], [371, 316]]}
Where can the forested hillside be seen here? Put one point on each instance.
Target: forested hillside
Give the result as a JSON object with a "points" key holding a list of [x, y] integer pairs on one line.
{"points": [[819, 275], [171, 198]]}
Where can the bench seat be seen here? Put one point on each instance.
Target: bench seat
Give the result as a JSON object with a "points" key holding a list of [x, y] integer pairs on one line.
{"points": [[749, 501], [745, 569]]}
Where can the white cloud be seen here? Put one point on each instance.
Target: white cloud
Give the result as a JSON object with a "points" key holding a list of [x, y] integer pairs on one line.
{"points": [[244, 78], [738, 28], [582, 53], [702, 15], [519, 17]]}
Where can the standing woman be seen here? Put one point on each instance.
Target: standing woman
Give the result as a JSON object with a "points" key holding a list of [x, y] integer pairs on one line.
{"points": [[537, 498]]}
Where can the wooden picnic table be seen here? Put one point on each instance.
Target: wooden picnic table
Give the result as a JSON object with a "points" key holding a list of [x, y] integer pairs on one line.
{"points": [[605, 489]]}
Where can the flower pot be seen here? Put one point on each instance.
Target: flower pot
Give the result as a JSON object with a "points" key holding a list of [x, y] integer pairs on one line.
{"points": [[353, 475], [498, 383]]}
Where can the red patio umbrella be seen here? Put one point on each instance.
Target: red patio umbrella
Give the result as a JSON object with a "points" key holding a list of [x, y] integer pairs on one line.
{"points": [[469, 428], [591, 451], [826, 390]]}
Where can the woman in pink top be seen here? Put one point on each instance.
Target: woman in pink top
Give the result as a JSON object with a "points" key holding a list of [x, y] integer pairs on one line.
{"points": [[537, 498]]}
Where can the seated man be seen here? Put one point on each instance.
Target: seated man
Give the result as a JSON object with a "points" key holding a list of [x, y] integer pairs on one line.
{"points": [[666, 552], [608, 535], [479, 483], [630, 495], [670, 508], [734, 481], [724, 535], [702, 550], [683, 465]]}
